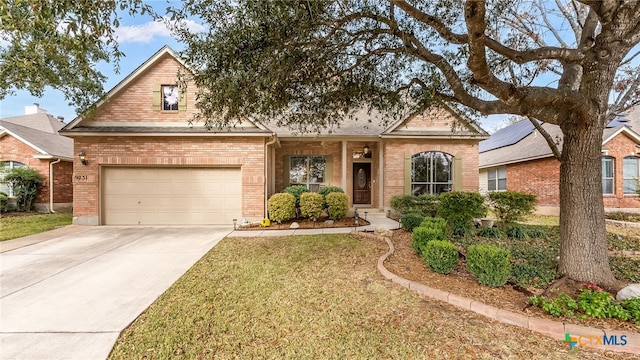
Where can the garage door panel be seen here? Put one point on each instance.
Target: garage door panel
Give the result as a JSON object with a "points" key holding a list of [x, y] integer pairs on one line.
{"points": [[171, 196]]}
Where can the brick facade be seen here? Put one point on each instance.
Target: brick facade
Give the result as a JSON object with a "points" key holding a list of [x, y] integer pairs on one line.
{"points": [[395, 151], [542, 177], [12, 149], [174, 152]]}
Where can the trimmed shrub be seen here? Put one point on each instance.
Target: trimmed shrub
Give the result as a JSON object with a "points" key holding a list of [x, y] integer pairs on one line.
{"points": [[424, 204], [436, 223], [296, 191], [328, 190], [441, 256], [26, 184], [511, 206], [422, 236], [411, 221], [282, 207], [489, 264], [491, 232], [311, 205], [4, 202], [459, 208], [337, 205], [517, 232]]}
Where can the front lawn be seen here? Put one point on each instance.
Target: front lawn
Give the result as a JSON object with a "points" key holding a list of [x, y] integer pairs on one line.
{"points": [[315, 297], [18, 226]]}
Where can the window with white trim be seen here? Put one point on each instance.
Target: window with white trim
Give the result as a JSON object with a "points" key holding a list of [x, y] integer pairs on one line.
{"points": [[431, 173], [5, 166], [309, 171], [630, 174], [608, 171], [497, 179]]}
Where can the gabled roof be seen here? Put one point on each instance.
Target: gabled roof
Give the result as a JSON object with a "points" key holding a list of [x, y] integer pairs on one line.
{"points": [[522, 142], [45, 143], [363, 123], [76, 126]]}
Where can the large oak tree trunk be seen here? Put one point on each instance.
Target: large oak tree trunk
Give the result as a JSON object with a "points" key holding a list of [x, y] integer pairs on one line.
{"points": [[583, 243]]}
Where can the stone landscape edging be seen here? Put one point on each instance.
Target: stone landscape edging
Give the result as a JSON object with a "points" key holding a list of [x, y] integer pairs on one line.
{"points": [[555, 329]]}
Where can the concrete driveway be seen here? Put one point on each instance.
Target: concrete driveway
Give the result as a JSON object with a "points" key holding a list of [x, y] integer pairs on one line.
{"points": [[69, 297]]}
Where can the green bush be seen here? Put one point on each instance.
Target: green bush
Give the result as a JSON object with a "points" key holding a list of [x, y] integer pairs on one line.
{"points": [[337, 205], [436, 223], [517, 232], [282, 207], [328, 190], [527, 275], [26, 184], [633, 307], [4, 202], [489, 264], [491, 232], [422, 236], [563, 305], [511, 206], [311, 205], [441, 256], [536, 232], [296, 191], [411, 221], [424, 204], [459, 208], [600, 304]]}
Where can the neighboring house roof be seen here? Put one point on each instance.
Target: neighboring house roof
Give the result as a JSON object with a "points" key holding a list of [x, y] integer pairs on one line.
{"points": [[40, 121], [47, 144], [522, 142]]}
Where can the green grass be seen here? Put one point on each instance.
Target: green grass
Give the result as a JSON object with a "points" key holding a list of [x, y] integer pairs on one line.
{"points": [[18, 226], [314, 297]]}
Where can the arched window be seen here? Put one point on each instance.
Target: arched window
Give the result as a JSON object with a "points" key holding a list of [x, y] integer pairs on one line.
{"points": [[608, 171], [431, 173], [4, 167], [630, 174]]}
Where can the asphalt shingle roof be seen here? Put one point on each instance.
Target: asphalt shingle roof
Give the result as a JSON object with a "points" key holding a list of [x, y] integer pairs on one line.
{"points": [[46, 140]]}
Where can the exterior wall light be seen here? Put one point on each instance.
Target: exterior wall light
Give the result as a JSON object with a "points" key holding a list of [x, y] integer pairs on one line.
{"points": [[366, 151], [83, 158]]}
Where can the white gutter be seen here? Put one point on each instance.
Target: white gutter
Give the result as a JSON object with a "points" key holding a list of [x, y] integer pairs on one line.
{"points": [[51, 184], [266, 171]]}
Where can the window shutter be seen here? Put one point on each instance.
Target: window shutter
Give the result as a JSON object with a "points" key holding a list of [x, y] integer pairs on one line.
{"points": [[407, 174], [286, 167], [156, 103], [457, 172], [182, 100], [328, 176]]}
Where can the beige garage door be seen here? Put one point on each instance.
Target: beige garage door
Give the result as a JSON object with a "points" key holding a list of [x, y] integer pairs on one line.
{"points": [[171, 196]]}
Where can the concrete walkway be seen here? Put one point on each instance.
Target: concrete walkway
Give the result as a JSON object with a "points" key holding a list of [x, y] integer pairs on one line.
{"points": [[68, 294]]}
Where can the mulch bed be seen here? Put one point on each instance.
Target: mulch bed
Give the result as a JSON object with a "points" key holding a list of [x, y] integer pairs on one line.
{"points": [[347, 222]]}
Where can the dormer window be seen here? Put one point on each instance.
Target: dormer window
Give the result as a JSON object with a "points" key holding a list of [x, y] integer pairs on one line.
{"points": [[170, 96]]}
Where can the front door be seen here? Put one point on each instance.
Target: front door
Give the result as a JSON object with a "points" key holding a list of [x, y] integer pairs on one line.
{"points": [[362, 183]]}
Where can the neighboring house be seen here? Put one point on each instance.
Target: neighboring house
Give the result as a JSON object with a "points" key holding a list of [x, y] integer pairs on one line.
{"points": [[146, 165], [518, 158], [32, 141]]}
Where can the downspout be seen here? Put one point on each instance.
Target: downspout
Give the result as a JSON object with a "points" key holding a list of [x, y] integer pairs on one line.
{"points": [[51, 184], [266, 171]]}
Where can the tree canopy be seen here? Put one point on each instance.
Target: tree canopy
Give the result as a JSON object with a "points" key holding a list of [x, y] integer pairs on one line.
{"points": [[59, 44], [308, 63]]}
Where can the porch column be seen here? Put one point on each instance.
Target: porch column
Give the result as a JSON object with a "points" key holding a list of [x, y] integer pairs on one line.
{"points": [[344, 166]]}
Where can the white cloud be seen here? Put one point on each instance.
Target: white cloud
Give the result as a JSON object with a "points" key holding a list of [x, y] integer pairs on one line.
{"points": [[147, 32]]}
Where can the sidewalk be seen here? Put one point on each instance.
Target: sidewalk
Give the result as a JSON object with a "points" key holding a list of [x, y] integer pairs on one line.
{"points": [[376, 219]]}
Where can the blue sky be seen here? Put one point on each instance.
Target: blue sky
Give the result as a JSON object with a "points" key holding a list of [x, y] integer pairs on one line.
{"points": [[139, 38]]}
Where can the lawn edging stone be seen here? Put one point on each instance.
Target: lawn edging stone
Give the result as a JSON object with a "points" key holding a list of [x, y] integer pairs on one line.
{"points": [[555, 329]]}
